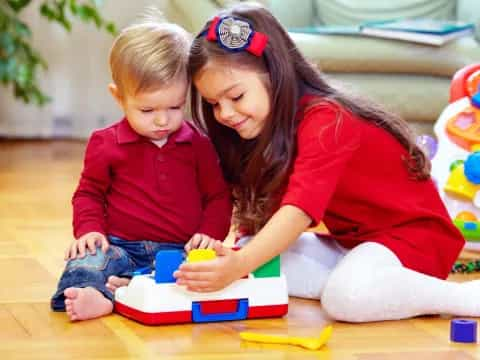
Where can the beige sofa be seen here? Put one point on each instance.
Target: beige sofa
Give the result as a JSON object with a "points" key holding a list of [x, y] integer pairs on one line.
{"points": [[411, 79]]}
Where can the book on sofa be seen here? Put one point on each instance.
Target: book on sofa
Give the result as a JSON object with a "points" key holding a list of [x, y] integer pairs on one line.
{"points": [[424, 31]]}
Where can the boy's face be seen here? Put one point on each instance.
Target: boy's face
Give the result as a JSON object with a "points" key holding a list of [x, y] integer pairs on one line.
{"points": [[155, 114]]}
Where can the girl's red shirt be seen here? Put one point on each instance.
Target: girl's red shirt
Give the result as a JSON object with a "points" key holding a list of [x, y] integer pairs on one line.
{"points": [[351, 175]]}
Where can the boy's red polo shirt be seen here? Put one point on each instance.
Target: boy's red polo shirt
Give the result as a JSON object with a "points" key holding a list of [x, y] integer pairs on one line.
{"points": [[135, 190]]}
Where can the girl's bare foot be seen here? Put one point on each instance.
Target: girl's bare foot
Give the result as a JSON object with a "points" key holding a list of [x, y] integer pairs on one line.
{"points": [[114, 282], [86, 303]]}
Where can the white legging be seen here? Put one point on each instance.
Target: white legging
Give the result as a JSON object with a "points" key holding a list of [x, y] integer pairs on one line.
{"points": [[369, 283]]}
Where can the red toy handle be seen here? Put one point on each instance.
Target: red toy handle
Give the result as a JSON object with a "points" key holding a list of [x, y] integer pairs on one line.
{"points": [[460, 86]]}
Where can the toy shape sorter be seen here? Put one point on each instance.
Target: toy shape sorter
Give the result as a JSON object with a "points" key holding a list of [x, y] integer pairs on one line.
{"points": [[456, 165], [154, 298]]}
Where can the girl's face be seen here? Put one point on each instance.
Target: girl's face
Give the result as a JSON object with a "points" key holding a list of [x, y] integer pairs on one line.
{"points": [[239, 97]]}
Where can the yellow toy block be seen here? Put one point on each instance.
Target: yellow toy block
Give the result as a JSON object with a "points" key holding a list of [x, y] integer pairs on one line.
{"points": [[197, 255]]}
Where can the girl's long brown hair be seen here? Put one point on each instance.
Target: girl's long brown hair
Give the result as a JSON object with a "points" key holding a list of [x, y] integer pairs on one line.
{"points": [[258, 169]]}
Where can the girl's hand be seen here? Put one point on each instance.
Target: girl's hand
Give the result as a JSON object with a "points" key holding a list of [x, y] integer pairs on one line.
{"points": [[199, 241], [212, 275], [88, 241]]}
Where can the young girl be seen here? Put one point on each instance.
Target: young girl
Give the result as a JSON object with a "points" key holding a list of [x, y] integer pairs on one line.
{"points": [[297, 151]]}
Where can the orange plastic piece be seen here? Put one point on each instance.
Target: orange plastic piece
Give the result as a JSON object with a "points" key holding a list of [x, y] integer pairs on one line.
{"points": [[464, 128], [466, 216]]}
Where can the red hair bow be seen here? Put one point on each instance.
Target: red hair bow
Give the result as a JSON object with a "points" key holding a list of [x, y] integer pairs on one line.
{"points": [[235, 34]]}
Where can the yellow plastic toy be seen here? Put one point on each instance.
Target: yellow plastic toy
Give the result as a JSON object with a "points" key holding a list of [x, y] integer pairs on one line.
{"points": [[457, 184], [197, 255], [309, 343]]}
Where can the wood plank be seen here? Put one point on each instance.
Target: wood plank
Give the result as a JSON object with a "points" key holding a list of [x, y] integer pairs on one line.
{"points": [[37, 179]]}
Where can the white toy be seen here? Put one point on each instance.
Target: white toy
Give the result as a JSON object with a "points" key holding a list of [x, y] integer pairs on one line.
{"points": [[456, 164], [155, 298]]}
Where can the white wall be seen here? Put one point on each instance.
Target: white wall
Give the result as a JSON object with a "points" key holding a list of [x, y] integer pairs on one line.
{"points": [[77, 77]]}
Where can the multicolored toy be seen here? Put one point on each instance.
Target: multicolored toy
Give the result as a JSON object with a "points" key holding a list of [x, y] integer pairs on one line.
{"points": [[456, 165], [154, 298]]}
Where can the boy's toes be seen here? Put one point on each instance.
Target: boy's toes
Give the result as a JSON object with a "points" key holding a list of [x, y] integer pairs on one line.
{"points": [[70, 313], [71, 293], [115, 282]]}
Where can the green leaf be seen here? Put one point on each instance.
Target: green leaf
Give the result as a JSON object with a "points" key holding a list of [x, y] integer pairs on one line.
{"points": [[24, 75], [88, 13], [60, 14], [3, 72], [22, 30], [38, 96], [56, 14], [18, 5], [73, 7], [47, 12], [111, 28], [7, 45], [11, 68], [19, 61]]}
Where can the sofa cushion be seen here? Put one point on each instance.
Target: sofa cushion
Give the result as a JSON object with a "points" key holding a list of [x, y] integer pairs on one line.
{"points": [[341, 53], [416, 98], [292, 13], [353, 12]]}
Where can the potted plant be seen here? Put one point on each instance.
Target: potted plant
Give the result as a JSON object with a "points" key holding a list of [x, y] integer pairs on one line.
{"points": [[19, 60]]}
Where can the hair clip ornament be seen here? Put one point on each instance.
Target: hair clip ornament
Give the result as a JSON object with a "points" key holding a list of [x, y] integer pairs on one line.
{"points": [[236, 35]]}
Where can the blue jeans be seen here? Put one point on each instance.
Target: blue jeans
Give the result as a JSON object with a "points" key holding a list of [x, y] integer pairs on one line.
{"points": [[121, 259]]}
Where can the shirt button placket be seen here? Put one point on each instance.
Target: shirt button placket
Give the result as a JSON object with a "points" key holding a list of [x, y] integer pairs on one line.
{"points": [[162, 176]]}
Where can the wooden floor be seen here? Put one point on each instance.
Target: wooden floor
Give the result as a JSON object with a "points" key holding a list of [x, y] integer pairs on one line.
{"points": [[36, 182]]}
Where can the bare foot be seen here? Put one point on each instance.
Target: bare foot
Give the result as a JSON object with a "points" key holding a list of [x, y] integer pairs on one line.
{"points": [[114, 282], [86, 303]]}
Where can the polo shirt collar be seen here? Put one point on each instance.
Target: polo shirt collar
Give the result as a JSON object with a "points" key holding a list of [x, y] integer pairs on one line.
{"points": [[125, 133], [184, 134]]}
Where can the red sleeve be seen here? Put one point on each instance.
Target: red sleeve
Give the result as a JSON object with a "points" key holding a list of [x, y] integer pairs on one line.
{"points": [[89, 198], [216, 195], [327, 138]]}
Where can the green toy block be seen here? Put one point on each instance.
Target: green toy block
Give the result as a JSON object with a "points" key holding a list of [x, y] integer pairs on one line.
{"points": [[469, 229], [269, 269]]}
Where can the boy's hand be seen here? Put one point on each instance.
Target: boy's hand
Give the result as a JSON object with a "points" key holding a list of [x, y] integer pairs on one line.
{"points": [[88, 241], [199, 241]]}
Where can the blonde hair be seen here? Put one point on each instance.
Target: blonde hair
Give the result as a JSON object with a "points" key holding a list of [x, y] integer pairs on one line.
{"points": [[148, 55]]}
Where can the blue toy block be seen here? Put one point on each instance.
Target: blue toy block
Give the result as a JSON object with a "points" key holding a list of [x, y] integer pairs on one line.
{"points": [[463, 331], [240, 314], [166, 262]]}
